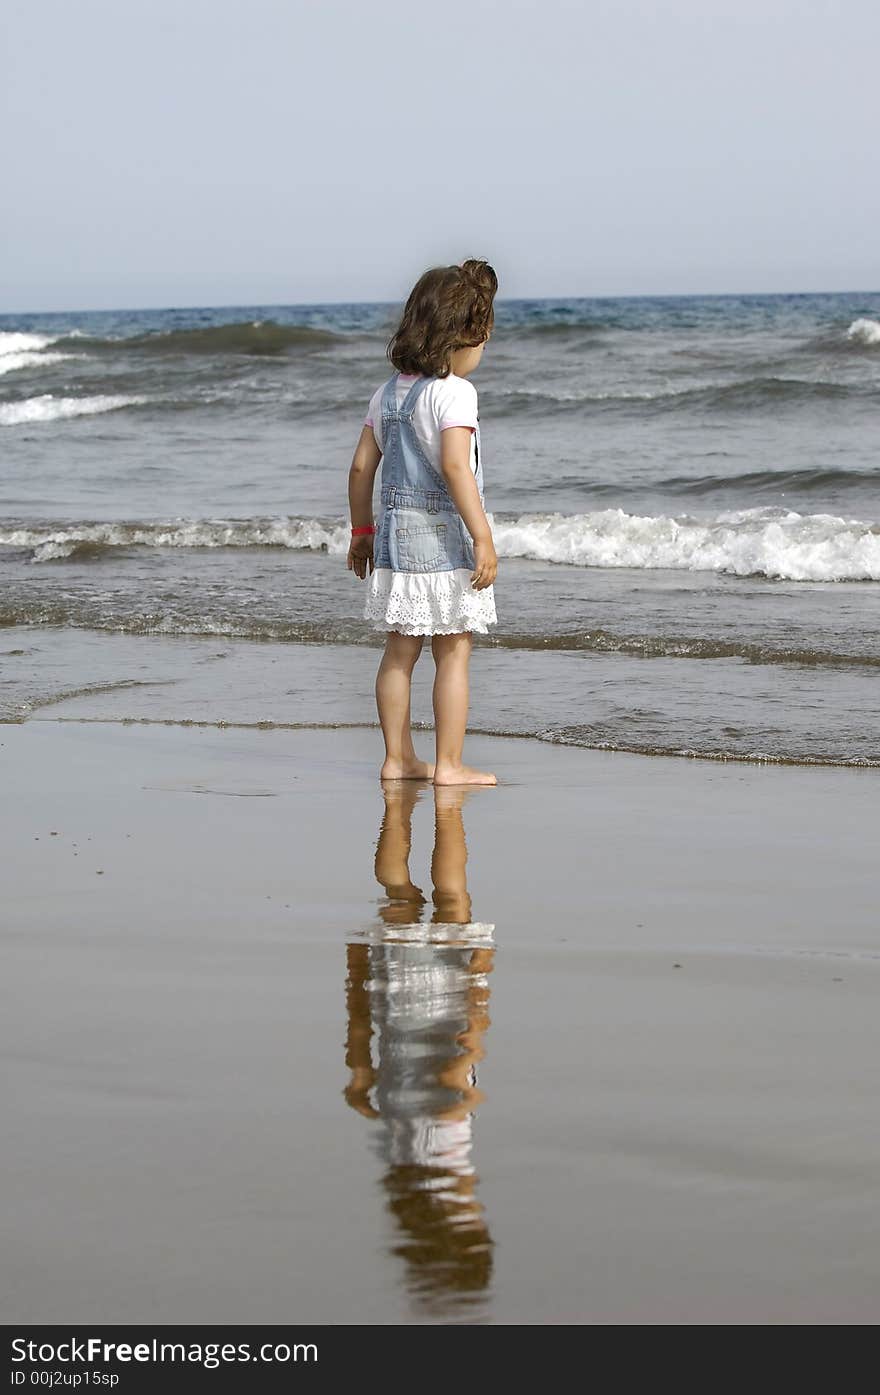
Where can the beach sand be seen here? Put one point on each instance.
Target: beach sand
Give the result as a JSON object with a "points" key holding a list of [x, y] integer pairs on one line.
{"points": [[628, 1077]]}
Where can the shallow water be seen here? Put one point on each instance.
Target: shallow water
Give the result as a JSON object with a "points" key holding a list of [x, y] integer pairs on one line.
{"points": [[722, 708], [686, 479]]}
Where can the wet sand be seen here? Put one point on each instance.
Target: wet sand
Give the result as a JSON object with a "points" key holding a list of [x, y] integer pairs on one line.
{"points": [[613, 1062]]}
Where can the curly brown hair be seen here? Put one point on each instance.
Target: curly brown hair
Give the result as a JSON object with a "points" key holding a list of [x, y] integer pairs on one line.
{"points": [[449, 308]]}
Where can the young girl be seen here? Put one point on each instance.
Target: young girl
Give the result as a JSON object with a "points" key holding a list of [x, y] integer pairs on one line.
{"points": [[431, 558]]}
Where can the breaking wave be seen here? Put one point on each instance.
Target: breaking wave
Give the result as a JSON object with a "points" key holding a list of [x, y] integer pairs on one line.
{"points": [[862, 333], [47, 407], [20, 350], [780, 545], [776, 543], [865, 332], [77, 540], [19, 341]]}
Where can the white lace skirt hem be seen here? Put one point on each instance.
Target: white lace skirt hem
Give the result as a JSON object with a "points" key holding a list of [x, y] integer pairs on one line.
{"points": [[428, 603]]}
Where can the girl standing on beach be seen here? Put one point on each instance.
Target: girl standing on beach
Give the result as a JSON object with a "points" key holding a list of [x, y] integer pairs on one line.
{"points": [[431, 559]]}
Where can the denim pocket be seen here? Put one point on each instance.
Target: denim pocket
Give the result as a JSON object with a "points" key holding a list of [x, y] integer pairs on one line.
{"points": [[422, 547]]}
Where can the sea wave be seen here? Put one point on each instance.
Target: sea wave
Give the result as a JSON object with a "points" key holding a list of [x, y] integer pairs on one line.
{"points": [[747, 483], [255, 337], [866, 332], [78, 540], [19, 341], [144, 616], [743, 395], [776, 543], [861, 334], [586, 737], [775, 481], [12, 363], [780, 545], [559, 329], [21, 350], [47, 407]]}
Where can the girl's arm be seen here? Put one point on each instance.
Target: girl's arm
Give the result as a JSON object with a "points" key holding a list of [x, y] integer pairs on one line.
{"points": [[455, 462], [360, 500]]}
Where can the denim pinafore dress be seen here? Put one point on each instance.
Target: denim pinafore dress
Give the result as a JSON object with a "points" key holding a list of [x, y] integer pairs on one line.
{"points": [[423, 553]]}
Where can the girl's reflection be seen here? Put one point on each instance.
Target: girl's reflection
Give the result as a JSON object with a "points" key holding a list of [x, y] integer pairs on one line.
{"points": [[421, 990]]}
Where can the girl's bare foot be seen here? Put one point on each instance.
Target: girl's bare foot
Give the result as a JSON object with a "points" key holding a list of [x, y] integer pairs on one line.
{"points": [[462, 775], [407, 770]]}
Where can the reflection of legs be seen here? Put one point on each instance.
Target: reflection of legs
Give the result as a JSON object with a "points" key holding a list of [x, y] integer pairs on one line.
{"points": [[457, 1072], [451, 900], [393, 682], [392, 854], [358, 1056], [451, 655]]}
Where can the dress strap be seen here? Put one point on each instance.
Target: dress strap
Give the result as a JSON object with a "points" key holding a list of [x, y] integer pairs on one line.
{"points": [[409, 401], [389, 397]]}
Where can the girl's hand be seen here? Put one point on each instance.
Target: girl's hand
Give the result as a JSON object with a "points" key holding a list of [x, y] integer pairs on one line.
{"points": [[360, 555], [486, 564]]}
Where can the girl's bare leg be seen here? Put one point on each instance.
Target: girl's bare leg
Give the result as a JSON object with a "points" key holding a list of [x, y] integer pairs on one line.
{"points": [[393, 701], [451, 655]]}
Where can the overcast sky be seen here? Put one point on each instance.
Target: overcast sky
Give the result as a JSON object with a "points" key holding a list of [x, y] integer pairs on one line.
{"points": [[204, 152]]}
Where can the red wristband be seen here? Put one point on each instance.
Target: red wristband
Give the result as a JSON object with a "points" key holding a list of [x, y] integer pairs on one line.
{"points": [[358, 532]]}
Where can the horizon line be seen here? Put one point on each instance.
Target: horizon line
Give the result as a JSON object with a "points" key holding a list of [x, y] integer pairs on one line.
{"points": [[499, 300]]}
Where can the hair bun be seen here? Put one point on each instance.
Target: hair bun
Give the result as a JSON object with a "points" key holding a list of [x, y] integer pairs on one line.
{"points": [[481, 275]]}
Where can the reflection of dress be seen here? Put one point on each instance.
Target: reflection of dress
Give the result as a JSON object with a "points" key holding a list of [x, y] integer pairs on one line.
{"points": [[425, 1004], [419, 996]]}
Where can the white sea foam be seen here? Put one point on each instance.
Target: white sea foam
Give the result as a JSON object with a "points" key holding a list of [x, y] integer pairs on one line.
{"points": [[17, 342], [790, 546], [780, 545], [554, 394], [21, 350], [47, 407], [864, 331], [305, 534]]}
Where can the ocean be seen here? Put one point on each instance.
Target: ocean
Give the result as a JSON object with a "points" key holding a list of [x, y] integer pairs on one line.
{"points": [[683, 490]]}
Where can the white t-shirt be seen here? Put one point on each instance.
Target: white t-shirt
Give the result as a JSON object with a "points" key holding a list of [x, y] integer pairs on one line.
{"points": [[444, 402]]}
